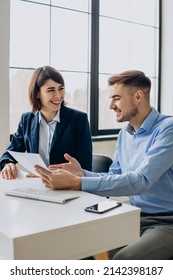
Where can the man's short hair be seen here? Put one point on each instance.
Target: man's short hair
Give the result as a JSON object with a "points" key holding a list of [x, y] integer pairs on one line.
{"points": [[133, 78]]}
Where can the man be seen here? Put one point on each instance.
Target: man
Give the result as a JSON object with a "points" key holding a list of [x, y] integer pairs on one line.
{"points": [[142, 168]]}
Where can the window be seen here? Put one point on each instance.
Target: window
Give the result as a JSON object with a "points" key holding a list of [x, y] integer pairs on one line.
{"points": [[87, 40]]}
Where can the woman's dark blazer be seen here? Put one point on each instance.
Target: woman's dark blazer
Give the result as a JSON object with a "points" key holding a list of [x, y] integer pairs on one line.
{"points": [[72, 135]]}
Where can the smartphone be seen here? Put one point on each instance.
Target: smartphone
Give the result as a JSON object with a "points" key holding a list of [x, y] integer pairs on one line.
{"points": [[103, 206]]}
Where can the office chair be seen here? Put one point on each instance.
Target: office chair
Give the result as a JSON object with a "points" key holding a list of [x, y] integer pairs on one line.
{"points": [[101, 163]]}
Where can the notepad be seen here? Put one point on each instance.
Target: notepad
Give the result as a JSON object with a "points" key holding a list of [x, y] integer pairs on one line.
{"points": [[49, 195]]}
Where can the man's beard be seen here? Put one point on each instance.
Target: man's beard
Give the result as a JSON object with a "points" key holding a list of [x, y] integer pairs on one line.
{"points": [[127, 116]]}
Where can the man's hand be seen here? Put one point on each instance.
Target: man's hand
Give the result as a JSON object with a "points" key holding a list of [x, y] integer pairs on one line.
{"points": [[9, 171], [72, 166], [59, 179]]}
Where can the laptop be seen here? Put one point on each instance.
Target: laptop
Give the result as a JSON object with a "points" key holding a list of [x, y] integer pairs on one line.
{"points": [[49, 195]]}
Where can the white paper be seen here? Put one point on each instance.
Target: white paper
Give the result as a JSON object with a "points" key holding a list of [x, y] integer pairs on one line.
{"points": [[29, 160]]}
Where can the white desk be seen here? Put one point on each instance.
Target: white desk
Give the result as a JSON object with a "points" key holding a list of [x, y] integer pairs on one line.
{"points": [[40, 230]]}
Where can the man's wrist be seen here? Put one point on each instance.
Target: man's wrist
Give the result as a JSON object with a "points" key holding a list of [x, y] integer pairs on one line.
{"points": [[78, 184], [80, 173]]}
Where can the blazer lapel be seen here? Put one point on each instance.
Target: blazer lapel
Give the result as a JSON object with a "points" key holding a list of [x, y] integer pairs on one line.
{"points": [[35, 133]]}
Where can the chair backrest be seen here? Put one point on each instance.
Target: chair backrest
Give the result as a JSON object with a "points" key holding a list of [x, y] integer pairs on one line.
{"points": [[101, 163]]}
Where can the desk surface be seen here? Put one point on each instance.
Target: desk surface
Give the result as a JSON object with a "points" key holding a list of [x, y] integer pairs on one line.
{"points": [[32, 229]]}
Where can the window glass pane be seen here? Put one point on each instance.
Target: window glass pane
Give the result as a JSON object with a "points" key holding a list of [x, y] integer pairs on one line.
{"points": [[144, 55], [69, 46], [29, 37], [141, 11], [129, 39], [19, 101], [115, 8], [113, 48], [107, 119], [40, 1], [59, 38], [81, 5], [145, 12], [76, 85], [154, 91]]}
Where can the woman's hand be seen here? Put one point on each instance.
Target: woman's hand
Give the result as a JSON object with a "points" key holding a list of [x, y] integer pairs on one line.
{"points": [[9, 171], [31, 175]]}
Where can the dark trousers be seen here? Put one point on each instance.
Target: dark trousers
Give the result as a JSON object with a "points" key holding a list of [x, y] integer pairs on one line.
{"points": [[155, 242]]}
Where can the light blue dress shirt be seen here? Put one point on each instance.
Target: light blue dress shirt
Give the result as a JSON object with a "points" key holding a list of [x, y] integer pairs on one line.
{"points": [[142, 168], [46, 133]]}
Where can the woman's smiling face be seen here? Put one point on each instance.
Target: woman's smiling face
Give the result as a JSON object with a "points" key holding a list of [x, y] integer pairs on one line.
{"points": [[51, 96]]}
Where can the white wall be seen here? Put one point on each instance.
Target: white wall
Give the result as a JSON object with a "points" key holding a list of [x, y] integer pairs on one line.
{"points": [[167, 58], [4, 76]]}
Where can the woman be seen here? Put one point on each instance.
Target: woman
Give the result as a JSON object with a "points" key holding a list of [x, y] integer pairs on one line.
{"points": [[51, 129]]}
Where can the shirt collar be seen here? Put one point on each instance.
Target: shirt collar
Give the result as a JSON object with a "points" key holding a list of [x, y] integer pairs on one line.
{"points": [[147, 124], [56, 118]]}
